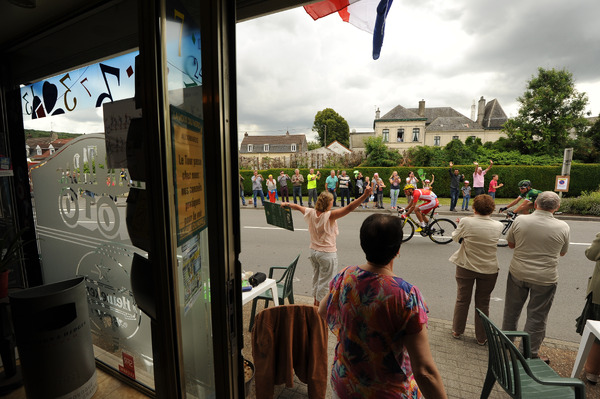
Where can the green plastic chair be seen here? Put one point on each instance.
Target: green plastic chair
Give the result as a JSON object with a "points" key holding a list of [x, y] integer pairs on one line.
{"points": [[285, 288], [520, 375]]}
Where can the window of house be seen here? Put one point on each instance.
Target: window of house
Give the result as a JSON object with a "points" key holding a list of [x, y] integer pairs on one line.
{"points": [[416, 132], [250, 148], [266, 148], [400, 137], [455, 138], [38, 150], [474, 137], [51, 149], [436, 140], [386, 135], [293, 147]]}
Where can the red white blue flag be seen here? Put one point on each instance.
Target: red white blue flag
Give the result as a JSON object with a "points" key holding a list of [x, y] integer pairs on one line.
{"points": [[368, 15]]}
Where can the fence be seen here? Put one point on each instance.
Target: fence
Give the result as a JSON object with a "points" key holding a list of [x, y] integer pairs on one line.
{"points": [[302, 160]]}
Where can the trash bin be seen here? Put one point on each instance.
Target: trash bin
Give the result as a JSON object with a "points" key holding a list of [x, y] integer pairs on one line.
{"points": [[54, 340]]}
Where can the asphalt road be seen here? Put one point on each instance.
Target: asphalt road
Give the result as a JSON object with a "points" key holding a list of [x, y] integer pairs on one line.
{"points": [[422, 262]]}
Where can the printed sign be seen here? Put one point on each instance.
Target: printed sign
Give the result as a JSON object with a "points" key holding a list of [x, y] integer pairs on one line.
{"points": [[562, 183], [188, 153]]}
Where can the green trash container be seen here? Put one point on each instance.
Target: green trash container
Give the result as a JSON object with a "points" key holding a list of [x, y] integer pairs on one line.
{"points": [[52, 328]]}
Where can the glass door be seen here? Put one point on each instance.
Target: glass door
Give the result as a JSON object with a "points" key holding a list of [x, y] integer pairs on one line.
{"points": [[80, 188]]}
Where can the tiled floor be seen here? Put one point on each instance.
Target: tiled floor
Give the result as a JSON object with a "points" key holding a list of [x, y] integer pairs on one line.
{"points": [[108, 387]]}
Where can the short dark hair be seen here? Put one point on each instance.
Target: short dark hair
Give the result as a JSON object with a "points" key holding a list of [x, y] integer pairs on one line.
{"points": [[380, 238], [484, 204]]}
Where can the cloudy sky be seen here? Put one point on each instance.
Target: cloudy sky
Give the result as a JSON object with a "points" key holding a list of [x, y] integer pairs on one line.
{"points": [[447, 53]]}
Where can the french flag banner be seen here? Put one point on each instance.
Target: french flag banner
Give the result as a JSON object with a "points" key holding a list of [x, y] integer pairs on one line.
{"points": [[368, 15]]}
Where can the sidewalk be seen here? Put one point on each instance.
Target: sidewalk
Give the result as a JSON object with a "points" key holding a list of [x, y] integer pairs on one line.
{"points": [[462, 363]]}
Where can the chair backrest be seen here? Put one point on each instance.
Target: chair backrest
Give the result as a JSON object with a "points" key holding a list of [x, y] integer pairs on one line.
{"points": [[503, 357], [288, 278]]}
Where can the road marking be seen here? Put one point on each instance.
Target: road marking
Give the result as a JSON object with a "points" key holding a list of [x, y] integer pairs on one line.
{"points": [[270, 228], [581, 243], [496, 299]]}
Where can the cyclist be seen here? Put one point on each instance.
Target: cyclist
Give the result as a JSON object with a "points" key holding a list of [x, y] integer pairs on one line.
{"points": [[430, 202], [528, 194]]}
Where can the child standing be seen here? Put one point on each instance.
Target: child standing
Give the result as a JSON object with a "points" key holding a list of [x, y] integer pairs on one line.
{"points": [[428, 183], [494, 186], [367, 183], [466, 190]]}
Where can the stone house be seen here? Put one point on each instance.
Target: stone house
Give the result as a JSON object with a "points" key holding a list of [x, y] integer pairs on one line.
{"points": [[256, 148], [403, 128]]}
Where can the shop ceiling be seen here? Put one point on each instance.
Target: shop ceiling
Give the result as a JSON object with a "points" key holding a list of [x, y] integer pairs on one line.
{"points": [[18, 22]]}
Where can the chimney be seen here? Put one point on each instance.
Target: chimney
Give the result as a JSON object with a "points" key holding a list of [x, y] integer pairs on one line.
{"points": [[473, 111], [481, 110], [246, 134], [422, 108], [377, 114]]}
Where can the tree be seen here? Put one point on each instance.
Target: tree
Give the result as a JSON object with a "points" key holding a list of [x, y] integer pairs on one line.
{"points": [[587, 145], [313, 145], [550, 109], [331, 126], [378, 154]]}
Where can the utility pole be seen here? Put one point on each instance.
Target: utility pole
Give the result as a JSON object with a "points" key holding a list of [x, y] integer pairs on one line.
{"points": [[566, 166], [325, 141]]}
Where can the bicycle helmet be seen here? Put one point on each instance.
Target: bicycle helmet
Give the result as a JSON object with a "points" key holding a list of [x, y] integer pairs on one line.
{"points": [[409, 186], [524, 184]]}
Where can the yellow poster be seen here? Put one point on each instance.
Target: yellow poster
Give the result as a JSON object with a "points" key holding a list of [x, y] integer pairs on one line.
{"points": [[188, 154]]}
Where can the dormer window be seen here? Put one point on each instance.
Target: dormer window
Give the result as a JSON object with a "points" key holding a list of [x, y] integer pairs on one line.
{"points": [[266, 148], [51, 149], [250, 148], [38, 150], [293, 147]]}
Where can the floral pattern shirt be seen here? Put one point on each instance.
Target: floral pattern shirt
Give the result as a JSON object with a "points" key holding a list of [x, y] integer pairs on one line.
{"points": [[370, 314]]}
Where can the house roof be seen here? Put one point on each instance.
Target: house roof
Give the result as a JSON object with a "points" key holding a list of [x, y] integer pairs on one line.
{"points": [[432, 113], [494, 116], [340, 144], [273, 140], [454, 123], [399, 112]]}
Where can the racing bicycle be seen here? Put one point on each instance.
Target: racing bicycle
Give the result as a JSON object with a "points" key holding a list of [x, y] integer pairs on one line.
{"points": [[439, 230], [510, 218]]}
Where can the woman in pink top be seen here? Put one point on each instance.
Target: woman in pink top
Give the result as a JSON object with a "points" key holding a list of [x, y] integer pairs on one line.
{"points": [[323, 229]]}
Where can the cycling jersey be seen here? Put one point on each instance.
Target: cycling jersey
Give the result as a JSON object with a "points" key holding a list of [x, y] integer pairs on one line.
{"points": [[423, 194], [531, 195]]}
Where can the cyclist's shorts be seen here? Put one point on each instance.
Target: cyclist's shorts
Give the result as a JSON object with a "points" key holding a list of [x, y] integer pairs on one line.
{"points": [[427, 206]]}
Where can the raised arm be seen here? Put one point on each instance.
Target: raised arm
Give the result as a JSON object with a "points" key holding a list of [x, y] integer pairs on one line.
{"points": [[294, 206], [489, 167], [339, 213]]}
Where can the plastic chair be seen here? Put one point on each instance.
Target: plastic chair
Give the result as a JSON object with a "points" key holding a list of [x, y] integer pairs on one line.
{"points": [[520, 375], [285, 288]]}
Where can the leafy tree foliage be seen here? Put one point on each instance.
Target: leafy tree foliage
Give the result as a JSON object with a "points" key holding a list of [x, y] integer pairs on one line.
{"points": [[313, 145], [550, 109], [378, 154], [587, 145], [331, 126]]}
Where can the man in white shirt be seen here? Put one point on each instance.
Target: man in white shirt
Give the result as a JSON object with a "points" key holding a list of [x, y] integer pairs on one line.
{"points": [[539, 240]]}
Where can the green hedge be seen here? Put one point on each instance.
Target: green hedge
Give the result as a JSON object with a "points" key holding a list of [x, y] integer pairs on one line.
{"points": [[584, 177]]}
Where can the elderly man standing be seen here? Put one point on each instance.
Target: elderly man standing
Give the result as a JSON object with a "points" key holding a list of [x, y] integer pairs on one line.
{"points": [[455, 179], [311, 185], [538, 240], [297, 180]]}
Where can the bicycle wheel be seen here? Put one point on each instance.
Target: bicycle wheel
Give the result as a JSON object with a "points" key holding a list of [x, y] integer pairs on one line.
{"points": [[408, 230], [440, 230], [502, 241]]}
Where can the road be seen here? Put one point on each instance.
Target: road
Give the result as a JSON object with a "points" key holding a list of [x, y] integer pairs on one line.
{"points": [[421, 262]]}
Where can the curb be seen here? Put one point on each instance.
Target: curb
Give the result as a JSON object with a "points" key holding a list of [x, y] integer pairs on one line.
{"points": [[583, 218]]}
